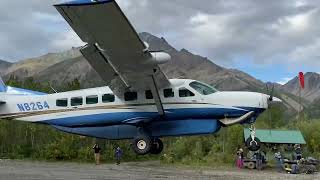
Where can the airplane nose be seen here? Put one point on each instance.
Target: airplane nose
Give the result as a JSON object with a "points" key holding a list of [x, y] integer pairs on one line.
{"points": [[274, 101]]}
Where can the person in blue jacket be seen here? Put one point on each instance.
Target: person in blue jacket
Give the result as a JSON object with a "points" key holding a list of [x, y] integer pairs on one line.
{"points": [[118, 154]]}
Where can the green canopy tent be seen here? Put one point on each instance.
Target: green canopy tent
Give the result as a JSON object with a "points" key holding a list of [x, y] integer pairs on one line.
{"points": [[277, 136]]}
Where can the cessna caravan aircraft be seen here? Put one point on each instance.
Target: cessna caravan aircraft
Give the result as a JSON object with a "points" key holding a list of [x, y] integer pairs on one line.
{"points": [[138, 102]]}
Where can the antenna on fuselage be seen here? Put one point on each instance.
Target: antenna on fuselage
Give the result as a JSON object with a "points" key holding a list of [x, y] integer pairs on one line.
{"points": [[52, 88]]}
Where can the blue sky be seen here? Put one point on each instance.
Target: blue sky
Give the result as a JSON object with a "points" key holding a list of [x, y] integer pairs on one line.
{"points": [[270, 40]]}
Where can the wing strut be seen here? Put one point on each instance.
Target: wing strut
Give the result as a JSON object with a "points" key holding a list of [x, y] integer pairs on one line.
{"points": [[156, 97], [100, 50]]}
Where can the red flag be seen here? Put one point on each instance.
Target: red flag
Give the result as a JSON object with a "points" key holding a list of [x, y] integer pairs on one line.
{"points": [[301, 77]]}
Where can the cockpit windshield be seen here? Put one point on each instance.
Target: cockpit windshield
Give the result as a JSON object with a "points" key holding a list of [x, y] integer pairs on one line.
{"points": [[202, 88]]}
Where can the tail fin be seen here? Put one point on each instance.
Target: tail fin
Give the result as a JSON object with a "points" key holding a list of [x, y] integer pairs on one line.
{"points": [[3, 87]]}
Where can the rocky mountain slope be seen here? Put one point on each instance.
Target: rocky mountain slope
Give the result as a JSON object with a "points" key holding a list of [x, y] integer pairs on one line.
{"points": [[33, 66], [311, 92], [4, 65], [59, 68], [63, 67]]}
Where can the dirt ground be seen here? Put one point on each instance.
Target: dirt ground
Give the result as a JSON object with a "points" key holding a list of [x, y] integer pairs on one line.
{"points": [[27, 170]]}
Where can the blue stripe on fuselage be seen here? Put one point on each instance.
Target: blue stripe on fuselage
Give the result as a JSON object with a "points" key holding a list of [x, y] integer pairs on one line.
{"points": [[121, 117]]}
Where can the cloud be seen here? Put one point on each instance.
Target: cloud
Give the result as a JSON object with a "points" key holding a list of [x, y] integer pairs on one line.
{"points": [[284, 80], [264, 32], [199, 18], [66, 40], [267, 32]]}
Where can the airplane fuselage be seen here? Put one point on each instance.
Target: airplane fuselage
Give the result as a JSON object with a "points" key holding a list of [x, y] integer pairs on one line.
{"points": [[97, 112]]}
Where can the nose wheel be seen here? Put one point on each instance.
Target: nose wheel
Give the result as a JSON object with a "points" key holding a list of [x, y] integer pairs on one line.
{"points": [[253, 143]]}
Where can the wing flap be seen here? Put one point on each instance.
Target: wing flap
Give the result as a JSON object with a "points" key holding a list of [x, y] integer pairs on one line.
{"points": [[98, 62]]}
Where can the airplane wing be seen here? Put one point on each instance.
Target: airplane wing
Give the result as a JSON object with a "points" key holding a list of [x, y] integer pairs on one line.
{"points": [[114, 48]]}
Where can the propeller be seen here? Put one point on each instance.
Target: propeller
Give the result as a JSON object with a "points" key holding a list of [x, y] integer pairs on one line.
{"points": [[271, 93]]}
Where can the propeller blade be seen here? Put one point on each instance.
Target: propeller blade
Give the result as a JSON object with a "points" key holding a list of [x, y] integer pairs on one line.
{"points": [[271, 93]]}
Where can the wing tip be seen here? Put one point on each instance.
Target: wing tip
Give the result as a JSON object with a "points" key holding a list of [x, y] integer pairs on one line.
{"points": [[83, 2]]}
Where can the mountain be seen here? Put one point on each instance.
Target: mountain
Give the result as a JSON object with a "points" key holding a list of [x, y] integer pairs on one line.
{"points": [[184, 64], [4, 65], [311, 92], [60, 68], [65, 66], [31, 67]]}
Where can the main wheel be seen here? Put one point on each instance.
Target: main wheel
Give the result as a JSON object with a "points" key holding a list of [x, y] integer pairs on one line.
{"points": [[157, 146], [253, 145], [141, 144], [251, 165], [287, 166]]}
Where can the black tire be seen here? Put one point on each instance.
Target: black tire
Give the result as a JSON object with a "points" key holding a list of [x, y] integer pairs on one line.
{"points": [[287, 166], [157, 146], [251, 165], [141, 145], [254, 146]]}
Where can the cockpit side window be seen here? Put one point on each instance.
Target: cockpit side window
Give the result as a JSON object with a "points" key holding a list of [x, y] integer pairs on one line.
{"points": [[183, 92], [202, 88], [168, 93]]}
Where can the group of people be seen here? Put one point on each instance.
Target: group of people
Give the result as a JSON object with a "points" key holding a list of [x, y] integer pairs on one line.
{"points": [[258, 156], [97, 150]]}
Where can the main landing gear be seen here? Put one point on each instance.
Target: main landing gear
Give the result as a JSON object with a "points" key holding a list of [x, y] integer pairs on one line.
{"points": [[253, 143], [144, 144]]}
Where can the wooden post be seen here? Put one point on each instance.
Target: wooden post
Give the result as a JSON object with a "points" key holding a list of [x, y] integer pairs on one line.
{"points": [[300, 108]]}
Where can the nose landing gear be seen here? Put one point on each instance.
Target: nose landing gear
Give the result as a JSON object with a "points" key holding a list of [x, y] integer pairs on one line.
{"points": [[253, 143]]}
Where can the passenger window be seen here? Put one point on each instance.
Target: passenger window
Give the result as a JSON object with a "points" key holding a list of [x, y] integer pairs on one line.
{"points": [[130, 96], [106, 98], [62, 102], [92, 99], [167, 93], [149, 94], [76, 101], [185, 93]]}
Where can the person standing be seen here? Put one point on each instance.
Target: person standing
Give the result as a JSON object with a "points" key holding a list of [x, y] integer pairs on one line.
{"points": [[239, 158], [97, 151], [278, 158], [258, 156], [118, 154], [297, 150]]}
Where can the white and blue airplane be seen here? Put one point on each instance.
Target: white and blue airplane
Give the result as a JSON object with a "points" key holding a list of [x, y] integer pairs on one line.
{"points": [[138, 102]]}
